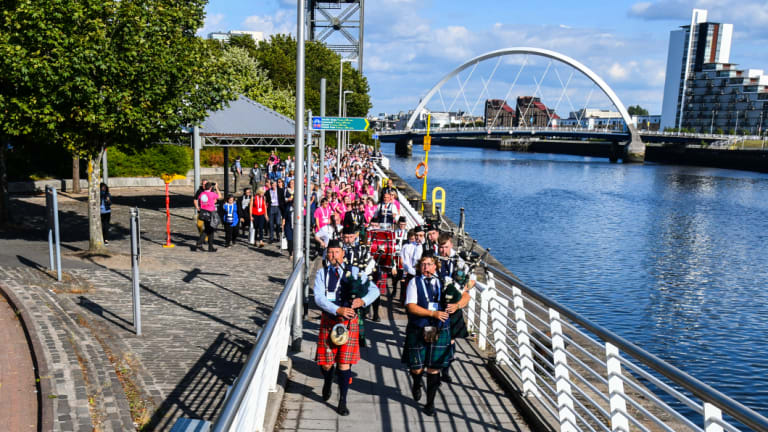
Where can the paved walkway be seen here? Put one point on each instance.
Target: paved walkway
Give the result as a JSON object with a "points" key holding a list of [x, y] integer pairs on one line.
{"points": [[380, 396], [18, 392], [201, 313]]}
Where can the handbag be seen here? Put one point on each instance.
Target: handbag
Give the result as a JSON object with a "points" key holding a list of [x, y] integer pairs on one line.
{"points": [[283, 242], [204, 215], [215, 220]]}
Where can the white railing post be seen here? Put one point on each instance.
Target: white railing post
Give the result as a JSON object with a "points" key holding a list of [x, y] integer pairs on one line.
{"points": [[499, 318], [713, 416], [563, 382], [470, 309], [525, 351], [619, 417], [485, 301]]}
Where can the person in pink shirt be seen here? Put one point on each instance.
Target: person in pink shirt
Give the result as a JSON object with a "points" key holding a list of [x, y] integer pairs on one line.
{"points": [[207, 201], [323, 214], [359, 184], [370, 209]]}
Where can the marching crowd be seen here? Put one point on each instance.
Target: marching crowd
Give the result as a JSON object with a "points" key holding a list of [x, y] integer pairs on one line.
{"points": [[367, 253]]}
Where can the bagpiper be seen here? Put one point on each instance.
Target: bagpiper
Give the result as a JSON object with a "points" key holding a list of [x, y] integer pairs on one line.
{"points": [[341, 293], [427, 335], [457, 281]]}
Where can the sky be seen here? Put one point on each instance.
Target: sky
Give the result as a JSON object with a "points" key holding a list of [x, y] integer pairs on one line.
{"points": [[411, 44]]}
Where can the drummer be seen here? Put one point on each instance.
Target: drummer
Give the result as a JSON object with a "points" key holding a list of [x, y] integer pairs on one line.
{"points": [[386, 213], [401, 238]]}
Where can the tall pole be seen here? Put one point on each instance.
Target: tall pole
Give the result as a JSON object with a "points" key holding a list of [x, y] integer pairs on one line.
{"points": [[338, 133], [298, 205], [196, 151], [321, 162], [308, 217], [712, 124], [104, 168]]}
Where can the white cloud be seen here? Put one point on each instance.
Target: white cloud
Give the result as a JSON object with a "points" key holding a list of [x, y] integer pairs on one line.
{"points": [[618, 72], [283, 21], [750, 16], [212, 23]]}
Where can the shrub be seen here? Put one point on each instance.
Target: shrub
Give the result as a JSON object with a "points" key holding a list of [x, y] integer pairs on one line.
{"points": [[151, 162]]}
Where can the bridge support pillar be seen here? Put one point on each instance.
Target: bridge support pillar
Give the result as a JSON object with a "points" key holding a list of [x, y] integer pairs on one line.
{"points": [[635, 150], [614, 154], [404, 147]]}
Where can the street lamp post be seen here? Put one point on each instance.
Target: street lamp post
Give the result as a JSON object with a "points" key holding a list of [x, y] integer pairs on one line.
{"points": [[345, 134], [338, 133]]}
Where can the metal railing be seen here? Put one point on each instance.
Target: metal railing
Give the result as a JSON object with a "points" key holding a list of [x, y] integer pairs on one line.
{"points": [[585, 376], [246, 403]]}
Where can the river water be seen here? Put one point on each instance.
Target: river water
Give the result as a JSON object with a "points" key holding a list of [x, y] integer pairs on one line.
{"points": [[671, 257]]}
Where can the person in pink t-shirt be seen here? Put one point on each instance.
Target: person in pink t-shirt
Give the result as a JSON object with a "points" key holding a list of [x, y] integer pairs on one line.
{"points": [[207, 201], [323, 214]]}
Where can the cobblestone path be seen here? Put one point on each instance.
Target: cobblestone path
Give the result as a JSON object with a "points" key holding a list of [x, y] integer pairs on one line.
{"points": [[201, 313]]}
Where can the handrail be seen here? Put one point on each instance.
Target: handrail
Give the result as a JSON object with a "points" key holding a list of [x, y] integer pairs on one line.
{"points": [[234, 400], [738, 411]]}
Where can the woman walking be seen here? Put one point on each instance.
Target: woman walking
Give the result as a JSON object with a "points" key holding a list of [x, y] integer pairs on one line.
{"points": [[259, 216], [106, 211]]}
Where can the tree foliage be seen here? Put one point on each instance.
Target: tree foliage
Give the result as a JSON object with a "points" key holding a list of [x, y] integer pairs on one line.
{"points": [[278, 57], [637, 110], [88, 74]]}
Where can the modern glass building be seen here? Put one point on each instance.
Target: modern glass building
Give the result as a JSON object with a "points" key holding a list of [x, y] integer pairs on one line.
{"points": [[703, 91]]}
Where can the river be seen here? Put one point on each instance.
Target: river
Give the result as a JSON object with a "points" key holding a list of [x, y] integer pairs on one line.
{"points": [[671, 257]]}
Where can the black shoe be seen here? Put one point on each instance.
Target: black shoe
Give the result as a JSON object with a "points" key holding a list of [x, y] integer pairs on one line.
{"points": [[376, 318], [429, 410], [416, 389], [446, 378], [342, 409], [327, 387], [212, 249]]}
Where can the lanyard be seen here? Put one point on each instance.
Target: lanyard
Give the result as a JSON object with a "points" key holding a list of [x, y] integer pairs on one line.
{"points": [[325, 214]]}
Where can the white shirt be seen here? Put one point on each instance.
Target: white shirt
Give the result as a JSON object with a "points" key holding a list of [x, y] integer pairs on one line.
{"points": [[410, 254]]}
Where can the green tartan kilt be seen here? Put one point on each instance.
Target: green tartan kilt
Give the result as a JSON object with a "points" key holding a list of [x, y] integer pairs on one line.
{"points": [[418, 354], [458, 326]]}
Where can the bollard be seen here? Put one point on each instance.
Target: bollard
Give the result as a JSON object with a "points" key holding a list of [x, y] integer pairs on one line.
{"points": [[135, 270]]}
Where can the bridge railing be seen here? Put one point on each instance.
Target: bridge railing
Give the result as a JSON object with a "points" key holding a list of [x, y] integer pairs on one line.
{"points": [[585, 376], [246, 403]]}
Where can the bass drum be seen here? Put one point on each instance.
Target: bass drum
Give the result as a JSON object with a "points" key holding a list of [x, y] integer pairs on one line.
{"points": [[382, 244]]}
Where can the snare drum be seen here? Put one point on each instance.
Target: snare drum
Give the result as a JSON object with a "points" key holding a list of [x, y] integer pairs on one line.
{"points": [[382, 244]]}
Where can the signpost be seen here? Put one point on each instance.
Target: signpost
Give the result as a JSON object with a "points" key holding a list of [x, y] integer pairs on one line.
{"points": [[340, 123]]}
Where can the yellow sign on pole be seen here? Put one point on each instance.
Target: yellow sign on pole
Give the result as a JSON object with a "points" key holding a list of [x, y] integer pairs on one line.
{"points": [[427, 143]]}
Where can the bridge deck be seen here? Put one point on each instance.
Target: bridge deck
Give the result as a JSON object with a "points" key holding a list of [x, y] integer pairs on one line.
{"points": [[380, 396]]}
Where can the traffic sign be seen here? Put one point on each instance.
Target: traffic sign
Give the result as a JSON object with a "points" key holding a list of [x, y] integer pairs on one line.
{"points": [[375, 136], [340, 123], [427, 143]]}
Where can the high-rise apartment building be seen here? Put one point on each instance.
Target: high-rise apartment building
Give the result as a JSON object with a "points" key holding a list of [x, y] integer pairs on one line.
{"points": [[703, 91]]}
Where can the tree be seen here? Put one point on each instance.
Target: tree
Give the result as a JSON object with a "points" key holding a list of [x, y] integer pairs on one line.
{"points": [[278, 57], [95, 73], [637, 110], [253, 81]]}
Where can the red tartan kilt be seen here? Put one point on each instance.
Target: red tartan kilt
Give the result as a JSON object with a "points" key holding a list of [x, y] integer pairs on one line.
{"points": [[382, 283], [330, 354]]}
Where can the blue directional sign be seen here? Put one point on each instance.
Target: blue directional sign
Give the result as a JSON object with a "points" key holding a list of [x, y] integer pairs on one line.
{"points": [[375, 136], [340, 123]]}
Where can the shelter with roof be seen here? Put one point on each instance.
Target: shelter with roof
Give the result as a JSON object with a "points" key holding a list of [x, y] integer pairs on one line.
{"points": [[242, 123]]}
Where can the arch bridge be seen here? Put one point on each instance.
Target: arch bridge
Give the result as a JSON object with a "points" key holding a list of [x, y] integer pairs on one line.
{"points": [[634, 149]]}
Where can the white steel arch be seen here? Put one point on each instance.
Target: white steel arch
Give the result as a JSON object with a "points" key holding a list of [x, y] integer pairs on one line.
{"points": [[535, 51]]}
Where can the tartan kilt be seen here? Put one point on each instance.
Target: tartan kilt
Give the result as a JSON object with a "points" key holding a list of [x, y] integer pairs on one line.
{"points": [[381, 282], [330, 354], [418, 354], [458, 326]]}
